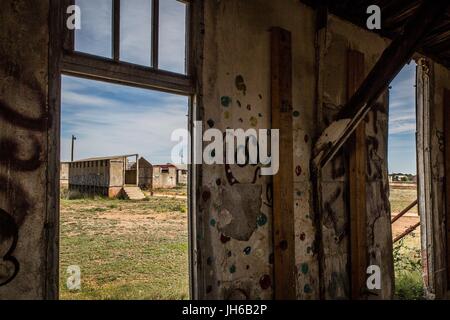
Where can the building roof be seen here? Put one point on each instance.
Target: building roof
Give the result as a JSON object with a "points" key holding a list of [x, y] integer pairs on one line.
{"points": [[106, 158], [144, 161], [181, 166]]}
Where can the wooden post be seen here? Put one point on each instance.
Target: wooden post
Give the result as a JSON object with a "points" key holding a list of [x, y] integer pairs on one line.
{"points": [[357, 182], [283, 197], [137, 170], [116, 30], [155, 34], [447, 175], [69, 35]]}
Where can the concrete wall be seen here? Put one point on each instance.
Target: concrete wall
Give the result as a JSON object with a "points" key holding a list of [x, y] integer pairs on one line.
{"points": [[116, 173], [24, 122], [234, 210], [98, 177]]}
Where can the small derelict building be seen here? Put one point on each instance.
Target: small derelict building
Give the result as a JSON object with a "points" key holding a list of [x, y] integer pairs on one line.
{"points": [[164, 176], [106, 176]]}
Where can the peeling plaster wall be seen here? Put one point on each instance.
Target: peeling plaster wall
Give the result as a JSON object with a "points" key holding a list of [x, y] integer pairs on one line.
{"points": [[234, 218], [234, 240], [440, 80], [23, 147], [337, 39]]}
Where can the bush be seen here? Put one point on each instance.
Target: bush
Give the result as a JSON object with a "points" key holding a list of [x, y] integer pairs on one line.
{"points": [[408, 272]]}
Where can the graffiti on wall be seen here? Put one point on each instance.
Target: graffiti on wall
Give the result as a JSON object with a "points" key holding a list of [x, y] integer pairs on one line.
{"points": [[16, 204]]}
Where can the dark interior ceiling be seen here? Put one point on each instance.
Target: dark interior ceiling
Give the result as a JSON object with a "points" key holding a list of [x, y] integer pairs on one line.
{"points": [[394, 15]]}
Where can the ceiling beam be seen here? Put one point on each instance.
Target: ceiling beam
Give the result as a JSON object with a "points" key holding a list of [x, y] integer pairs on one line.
{"points": [[397, 17]]}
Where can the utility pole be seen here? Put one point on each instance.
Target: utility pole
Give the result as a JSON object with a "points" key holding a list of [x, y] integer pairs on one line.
{"points": [[73, 143]]}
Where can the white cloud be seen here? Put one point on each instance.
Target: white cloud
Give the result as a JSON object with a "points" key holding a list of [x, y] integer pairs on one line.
{"points": [[109, 126], [402, 128]]}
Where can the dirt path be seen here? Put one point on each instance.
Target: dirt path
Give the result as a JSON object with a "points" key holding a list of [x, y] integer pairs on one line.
{"points": [[163, 195]]}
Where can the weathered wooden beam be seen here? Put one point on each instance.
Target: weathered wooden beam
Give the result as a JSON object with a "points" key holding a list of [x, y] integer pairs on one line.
{"points": [[102, 69], [283, 184], [447, 175], [57, 29], [357, 182], [388, 66]]}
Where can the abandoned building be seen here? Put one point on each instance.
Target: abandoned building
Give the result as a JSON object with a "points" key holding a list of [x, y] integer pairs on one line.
{"points": [[165, 176], [106, 176], [311, 69], [145, 174]]}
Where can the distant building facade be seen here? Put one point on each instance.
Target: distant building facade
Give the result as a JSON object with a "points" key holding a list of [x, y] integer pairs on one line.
{"points": [[182, 174], [164, 176]]}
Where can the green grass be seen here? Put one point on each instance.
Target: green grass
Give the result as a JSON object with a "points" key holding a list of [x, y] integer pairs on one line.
{"points": [[407, 252], [125, 249]]}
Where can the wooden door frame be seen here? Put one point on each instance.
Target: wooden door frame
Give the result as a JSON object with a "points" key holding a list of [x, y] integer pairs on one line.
{"points": [[63, 61]]}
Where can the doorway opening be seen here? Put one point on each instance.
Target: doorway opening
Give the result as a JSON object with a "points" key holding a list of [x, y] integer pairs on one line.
{"points": [[122, 234], [403, 180]]}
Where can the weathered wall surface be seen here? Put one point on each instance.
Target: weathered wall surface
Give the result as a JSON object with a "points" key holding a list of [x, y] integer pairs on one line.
{"points": [[23, 147], [440, 79], [91, 173], [338, 38], [234, 218]]}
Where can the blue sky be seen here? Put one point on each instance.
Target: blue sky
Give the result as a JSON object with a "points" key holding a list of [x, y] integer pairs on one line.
{"points": [[109, 119], [402, 122]]}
